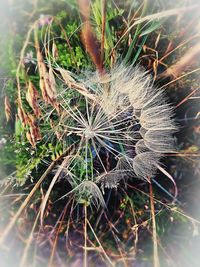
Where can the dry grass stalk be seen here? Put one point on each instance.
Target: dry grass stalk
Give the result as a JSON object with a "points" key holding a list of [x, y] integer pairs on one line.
{"points": [[28, 243], [163, 14], [85, 236], [88, 36], [180, 77], [100, 245], [187, 97], [56, 176], [157, 16], [50, 264], [91, 44], [156, 262], [185, 61]]}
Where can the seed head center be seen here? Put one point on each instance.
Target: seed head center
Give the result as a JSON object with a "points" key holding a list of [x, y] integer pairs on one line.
{"points": [[89, 133]]}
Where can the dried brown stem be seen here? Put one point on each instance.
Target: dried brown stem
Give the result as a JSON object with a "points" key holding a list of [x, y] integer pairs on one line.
{"points": [[154, 232], [85, 235]]}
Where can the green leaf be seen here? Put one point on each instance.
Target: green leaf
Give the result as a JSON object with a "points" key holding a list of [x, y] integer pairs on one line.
{"points": [[154, 26], [18, 128]]}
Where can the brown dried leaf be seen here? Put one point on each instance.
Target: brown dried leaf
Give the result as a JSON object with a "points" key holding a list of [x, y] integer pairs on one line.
{"points": [[52, 81], [47, 80], [48, 90], [7, 108], [48, 87], [66, 76], [29, 138], [82, 90], [69, 80], [54, 51], [31, 97], [42, 72], [21, 113], [44, 79], [39, 63], [43, 90], [34, 134]]}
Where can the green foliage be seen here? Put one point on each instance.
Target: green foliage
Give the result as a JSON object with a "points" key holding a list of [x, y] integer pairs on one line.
{"points": [[112, 15], [29, 160]]}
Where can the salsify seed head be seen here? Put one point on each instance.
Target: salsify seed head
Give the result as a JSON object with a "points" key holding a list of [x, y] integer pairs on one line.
{"points": [[122, 131]]}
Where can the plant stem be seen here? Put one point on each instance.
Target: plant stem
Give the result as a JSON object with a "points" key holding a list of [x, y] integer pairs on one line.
{"points": [[155, 244], [103, 4], [28, 243], [136, 34], [100, 245], [85, 235]]}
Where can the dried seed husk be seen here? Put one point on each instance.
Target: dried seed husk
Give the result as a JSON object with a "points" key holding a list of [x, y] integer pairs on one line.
{"points": [[7, 107], [31, 97]]}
